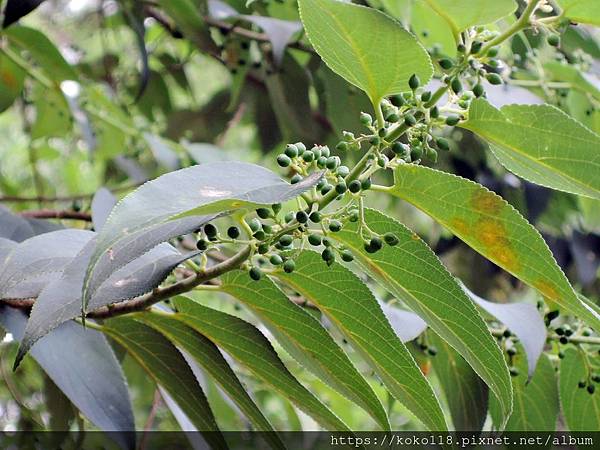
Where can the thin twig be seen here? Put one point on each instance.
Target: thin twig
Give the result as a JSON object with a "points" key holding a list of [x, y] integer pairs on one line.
{"points": [[53, 214]]}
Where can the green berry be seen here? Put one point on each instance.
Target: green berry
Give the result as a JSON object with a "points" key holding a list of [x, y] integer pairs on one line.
{"points": [[325, 151], [564, 340], [553, 40], [561, 355], [391, 239], [493, 52], [511, 351], [276, 260], [374, 140], [255, 273], [259, 235], [263, 248], [432, 351], [347, 256], [376, 243], [308, 156], [289, 266], [596, 378], [276, 207], [296, 179], [434, 112], [354, 186], [452, 120], [591, 389], [314, 239], [254, 225], [397, 100], [202, 245], [333, 162], [354, 216], [410, 120], [291, 151], [321, 162], [301, 217], [560, 331], [210, 230], [335, 226], [268, 229], [325, 189], [263, 213], [316, 150], [400, 149], [392, 117], [456, 86], [426, 96], [416, 153], [342, 171], [494, 78], [326, 242], [286, 240], [442, 144], [366, 119], [476, 46], [289, 217], [446, 63], [414, 81], [284, 160], [328, 255], [365, 184], [478, 90], [341, 187], [315, 217], [581, 384], [342, 146], [513, 372], [233, 232]]}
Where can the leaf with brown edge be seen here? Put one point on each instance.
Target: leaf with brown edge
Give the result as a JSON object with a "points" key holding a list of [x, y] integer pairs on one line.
{"points": [[492, 227]]}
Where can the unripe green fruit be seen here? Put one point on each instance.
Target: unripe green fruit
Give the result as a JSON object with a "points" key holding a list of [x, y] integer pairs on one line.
{"points": [[416, 153], [561, 354], [255, 273], [434, 112], [333, 162], [233, 232], [478, 90], [335, 226], [432, 351], [276, 260], [263, 248], [560, 331], [308, 156], [268, 229], [511, 351], [382, 161], [328, 255], [347, 256], [315, 216], [283, 160], [581, 384], [342, 146], [321, 162], [414, 82], [553, 40], [202, 245], [301, 217], [301, 147], [456, 86], [446, 63], [391, 239], [254, 225], [374, 140], [442, 144], [476, 46], [296, 179], [263, 213], [276, 207], [289, 217], [326, 242], [259, 235], [325, 151], [341, 187], [366, 119], [494, 78], [316, 150], [210, 230], [325, 189], [397, 100], [342, 171], [392, 118], [410, 120], [365, 184], [513, 372], [289, 266], [426, 96], [382, 132], [376, 243], [354, 216], [591, 389], [354, 186], [564, 340], [493, 52], [452, 120], [596, 378], [291, 151], [286, 240], [314, 239]]}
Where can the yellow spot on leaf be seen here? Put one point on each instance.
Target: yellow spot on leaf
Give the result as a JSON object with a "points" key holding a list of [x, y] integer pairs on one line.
{"points": [[486, 202], [546, 289]]}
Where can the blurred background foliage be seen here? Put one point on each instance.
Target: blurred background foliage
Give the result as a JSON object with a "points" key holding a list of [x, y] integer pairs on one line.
{"points": [[113, 93]]}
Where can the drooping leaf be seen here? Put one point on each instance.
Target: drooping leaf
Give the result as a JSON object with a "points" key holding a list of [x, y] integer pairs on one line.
{"points": [[541, 144], [303, 337], [82, 364], [492, 227], [15, 9], [251, 349], [37, 261], [60, 301], [102, 204], [203, 189], [350, 306], [414, 274], [466, 393], [407, 325], [462, 14], [12, 78], [580, 409], [167, 367], [205, 353], [13, 227], [43, 52], [582, 11], [536, 401], [524, 320], [351, 39]]}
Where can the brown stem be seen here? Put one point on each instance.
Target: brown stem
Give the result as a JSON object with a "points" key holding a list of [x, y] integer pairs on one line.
{"points": [[52, 214]]}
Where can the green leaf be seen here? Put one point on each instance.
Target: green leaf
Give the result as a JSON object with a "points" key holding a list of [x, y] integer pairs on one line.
{"points": [[167, 367], [365, 46], [488, 224], [12, 78], [207, 188], [415, 275], [466, 393], [580, 409], [205, 353], [432, 29], [536, 401], [541, 144], [52, 113], [462, 14], [304, 338], [582, 11], [558, 71], [250, 348], [349, 304]]}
